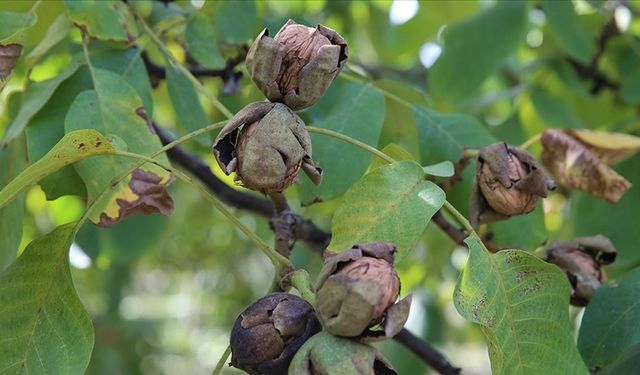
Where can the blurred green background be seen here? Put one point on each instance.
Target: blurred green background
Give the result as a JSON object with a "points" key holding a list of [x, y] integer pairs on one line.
{"points": [[164, 292]]}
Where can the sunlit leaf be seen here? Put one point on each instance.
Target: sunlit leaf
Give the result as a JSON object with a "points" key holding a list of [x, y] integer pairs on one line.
{"points": [[99, 18], [392, 203], [575, 166], [45, 329], [566, 30], [609, 325], [114, 109], [475, 48], [394, 151], [73, 147], [442, 169], [521, 304], [358, 112]]}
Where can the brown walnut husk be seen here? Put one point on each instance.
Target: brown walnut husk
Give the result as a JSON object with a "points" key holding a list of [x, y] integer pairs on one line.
{"points": [[266, 144], [582, 259], [325, 354], [356, 293], [297, 66], [508, 182], [9, 55], [578, 162], [266, 336]]}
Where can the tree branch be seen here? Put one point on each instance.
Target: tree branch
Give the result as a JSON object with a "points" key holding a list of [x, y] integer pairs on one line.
{"points": [[429, 354], [304, 230]]}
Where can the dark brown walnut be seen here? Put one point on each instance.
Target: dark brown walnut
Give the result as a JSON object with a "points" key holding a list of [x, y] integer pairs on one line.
{"points": [[577, 164], [508, 182], [356, 293], [582, 260], [266, 145], [325, 354], [297, 66], [266, 336]]}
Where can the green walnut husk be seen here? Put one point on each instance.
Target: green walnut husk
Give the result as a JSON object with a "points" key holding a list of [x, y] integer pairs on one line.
{"points": [[356, 293], [582, 259], [297, 66], [508, 182], [266, 336], [325, 354], [266, 145]]}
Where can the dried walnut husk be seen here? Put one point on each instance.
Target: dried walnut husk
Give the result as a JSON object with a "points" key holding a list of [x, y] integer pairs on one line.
{"points": [[266, 336], [508, 182], [266, 145], [356, 293], [582, 259], [298, 65]]}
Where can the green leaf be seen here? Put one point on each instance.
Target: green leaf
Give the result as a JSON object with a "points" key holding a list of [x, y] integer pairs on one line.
{"points": [[566, 30], [627, 363], [202, 41], [524, 231], [396, 152], [99, 17], [610, 322], [236, 20], [358, 112], [442, 169], [73, 147], [128, 64], [521, 304], [393, 203], [14, 160], [184, 98], [553, 110], [13, 22], [36, 96], [45, 329], [46, 129], [476, 47], [445, 136], [113, 108], [54, 35]]}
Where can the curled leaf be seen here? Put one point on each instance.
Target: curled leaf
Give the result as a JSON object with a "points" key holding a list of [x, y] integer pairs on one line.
{"points": [[577, 165], [610, 148], [9, 55], [146, 194]]}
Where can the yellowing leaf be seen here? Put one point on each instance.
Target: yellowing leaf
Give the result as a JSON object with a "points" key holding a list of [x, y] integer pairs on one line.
{"points": [[610, 148], [72, 147], [575, 166]]}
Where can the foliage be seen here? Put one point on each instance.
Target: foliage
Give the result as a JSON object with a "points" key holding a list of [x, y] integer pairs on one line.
{"points": [[84, 114]]}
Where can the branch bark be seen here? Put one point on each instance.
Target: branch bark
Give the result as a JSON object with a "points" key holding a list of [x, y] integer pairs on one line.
{"points": [[429, 354]]}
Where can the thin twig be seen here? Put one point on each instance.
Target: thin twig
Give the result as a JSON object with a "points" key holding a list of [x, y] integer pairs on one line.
{"points": [[426, 352]]}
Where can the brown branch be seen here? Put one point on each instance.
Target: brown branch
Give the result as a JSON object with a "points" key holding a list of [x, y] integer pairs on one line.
{"points": [[426, 352]]}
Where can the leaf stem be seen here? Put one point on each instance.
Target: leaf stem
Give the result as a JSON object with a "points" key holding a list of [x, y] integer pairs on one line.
{"points": [[355, 142], [172, 60], [281, 264], [222, 361], [531, 141], [447, 206]]}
